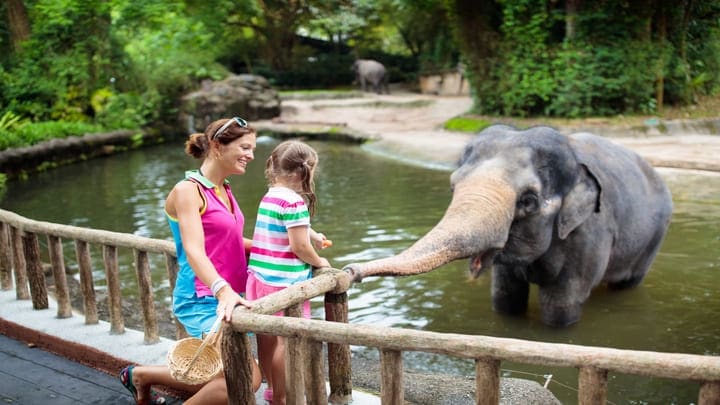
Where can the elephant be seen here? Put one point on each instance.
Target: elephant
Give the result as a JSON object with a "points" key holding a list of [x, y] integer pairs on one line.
{"points": [[564, 212], [368, 71]]}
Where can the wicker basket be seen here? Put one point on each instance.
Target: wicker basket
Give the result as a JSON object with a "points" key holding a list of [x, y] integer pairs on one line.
{"points": [[190, 366]]}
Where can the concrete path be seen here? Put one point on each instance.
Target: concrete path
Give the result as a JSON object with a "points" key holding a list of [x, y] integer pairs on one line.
{"points": [[408, 126]]}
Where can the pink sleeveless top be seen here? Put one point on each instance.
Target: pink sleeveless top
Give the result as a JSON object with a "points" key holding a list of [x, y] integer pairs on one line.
{"points": [[224, 243]]}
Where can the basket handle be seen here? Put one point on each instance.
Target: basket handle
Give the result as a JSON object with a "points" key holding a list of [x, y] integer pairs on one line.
{"points": [[210, 336]]}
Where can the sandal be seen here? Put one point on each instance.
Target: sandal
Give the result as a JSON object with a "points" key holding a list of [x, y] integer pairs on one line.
{"points": [[126, 380]]}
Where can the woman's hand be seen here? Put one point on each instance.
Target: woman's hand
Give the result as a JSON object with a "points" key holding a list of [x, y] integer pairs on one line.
{"points": [[227, 301]]}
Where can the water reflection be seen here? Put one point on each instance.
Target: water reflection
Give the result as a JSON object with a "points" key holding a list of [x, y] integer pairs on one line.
{"points": [[373, 207]]}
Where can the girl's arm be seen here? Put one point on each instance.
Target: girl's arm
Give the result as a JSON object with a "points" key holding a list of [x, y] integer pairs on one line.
{"points": [[300, 245]]}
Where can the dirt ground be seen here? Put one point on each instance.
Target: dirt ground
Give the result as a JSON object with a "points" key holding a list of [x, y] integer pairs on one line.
{"points": [[409, 126]]}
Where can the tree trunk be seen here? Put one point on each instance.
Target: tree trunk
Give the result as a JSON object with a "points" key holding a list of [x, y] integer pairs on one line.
{"points": [[478, 40], [571, 13], [660, 74], [18, 22]]}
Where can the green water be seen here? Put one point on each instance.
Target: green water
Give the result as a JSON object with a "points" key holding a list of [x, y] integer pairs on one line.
{"points": [[372, 207]]}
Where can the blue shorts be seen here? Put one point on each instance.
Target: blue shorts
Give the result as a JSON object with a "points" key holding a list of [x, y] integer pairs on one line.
{"points": [[196, 314]]}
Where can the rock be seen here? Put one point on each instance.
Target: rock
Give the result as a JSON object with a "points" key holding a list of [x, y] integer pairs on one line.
{"points": [[447, 389], [248, 96]]}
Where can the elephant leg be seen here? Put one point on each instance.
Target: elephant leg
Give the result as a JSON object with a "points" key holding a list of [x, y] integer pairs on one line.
{"points": [[559, 307], [639, 268], [562, 299], [509, 293]]}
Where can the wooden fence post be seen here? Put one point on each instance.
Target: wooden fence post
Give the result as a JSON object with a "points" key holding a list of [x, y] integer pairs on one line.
{"points": [[391, 373], [709, 393], [294, 362], [21, 281], [487, 381], [87, 285], [339, 356], [236, 357], [36, 276], [147, 302], [592, 386], [5, 258], [57, 261], [315, 392], [171, 265], [117, 323]]}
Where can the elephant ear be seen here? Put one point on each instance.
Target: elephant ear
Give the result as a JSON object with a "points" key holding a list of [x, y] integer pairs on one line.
{"points": [[582, 200]]}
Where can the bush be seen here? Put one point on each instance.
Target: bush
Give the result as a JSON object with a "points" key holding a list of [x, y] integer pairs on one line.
{"points": [[32, 134]]}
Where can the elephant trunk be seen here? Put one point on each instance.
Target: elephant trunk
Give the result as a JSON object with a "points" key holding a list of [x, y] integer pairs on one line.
{"points": [[477, 219]]}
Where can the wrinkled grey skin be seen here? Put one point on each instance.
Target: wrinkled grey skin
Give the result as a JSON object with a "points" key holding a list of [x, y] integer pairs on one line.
{"points": [[373, 73], [535, 206]]}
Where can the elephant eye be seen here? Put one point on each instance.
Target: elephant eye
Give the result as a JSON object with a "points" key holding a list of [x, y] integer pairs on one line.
{"points": [[527, 204]]}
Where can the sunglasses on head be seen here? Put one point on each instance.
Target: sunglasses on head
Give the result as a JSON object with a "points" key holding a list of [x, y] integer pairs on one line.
{"points": [[241, 122]]}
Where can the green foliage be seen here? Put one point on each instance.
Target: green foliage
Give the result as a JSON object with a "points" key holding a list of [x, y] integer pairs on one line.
{"points": [[124, 63], [466, 124], [527, 84], [598, 80], [3, 184], [129, 110], [34, 133], [10, 120]]}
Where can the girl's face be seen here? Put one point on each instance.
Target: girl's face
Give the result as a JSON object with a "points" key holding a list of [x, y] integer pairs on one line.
{"points": [[237, 154]]}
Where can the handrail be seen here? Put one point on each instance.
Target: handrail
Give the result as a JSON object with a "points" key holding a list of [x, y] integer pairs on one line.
{"points": [[20, 256], [20, 250], [118, 239]]}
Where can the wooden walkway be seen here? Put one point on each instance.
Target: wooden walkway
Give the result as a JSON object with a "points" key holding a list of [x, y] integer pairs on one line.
{"points": [[30, 375]]}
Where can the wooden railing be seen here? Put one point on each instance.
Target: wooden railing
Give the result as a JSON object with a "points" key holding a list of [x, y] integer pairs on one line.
{"points": [[20, 255], [20, 251]]}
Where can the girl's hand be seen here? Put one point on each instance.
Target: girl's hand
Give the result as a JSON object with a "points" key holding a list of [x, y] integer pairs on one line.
{"points": [[324, 263], [320, 241], [227, 301]]}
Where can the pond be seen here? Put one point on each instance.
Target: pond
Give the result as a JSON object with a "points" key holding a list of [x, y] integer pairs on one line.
{"points": [[372, 207]]}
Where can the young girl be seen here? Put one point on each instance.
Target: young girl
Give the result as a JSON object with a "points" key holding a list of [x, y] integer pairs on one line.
{"points": [[282, 251]]}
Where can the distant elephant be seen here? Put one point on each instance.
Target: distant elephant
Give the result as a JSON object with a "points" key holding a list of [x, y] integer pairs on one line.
{"points": [[372, 72], [563, 212]]}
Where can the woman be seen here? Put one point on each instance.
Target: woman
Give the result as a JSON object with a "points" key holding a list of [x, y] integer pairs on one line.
{"points": [[207, 225]]}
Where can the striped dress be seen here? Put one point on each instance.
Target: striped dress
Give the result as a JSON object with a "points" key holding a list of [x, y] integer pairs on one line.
{"points": [[271, 259]]}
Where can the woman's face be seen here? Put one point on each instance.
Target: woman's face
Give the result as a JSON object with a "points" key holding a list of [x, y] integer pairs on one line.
{"points": [[237, 154]]}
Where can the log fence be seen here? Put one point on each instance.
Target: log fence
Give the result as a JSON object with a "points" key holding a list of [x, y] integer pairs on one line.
{"points": [[21, 265]]}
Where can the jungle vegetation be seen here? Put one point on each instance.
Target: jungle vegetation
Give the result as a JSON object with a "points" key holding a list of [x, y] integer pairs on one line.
{"points": [[69, 67]]}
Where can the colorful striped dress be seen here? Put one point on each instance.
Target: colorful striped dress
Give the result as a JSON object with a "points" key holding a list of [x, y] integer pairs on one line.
{"points": [[271, 259]]}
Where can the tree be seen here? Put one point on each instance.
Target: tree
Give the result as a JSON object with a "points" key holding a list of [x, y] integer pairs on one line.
{"points": [[279, 26], [476, 25], [18, 22]]}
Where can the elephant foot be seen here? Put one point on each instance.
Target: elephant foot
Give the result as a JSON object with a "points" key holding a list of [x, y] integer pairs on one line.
{"points": [[625, 284], [560, 317]]}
